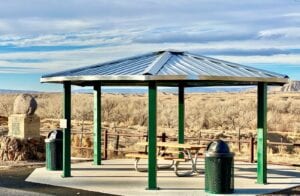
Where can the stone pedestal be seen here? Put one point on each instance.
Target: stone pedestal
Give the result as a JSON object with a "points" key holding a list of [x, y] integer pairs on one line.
{"points": [[24, 126]]}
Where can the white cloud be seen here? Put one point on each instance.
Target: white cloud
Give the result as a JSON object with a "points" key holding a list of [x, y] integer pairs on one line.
{"points": [[50, 33], [280, 33]]}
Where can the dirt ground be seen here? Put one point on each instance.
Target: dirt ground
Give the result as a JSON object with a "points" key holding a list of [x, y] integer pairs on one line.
{"points": [[12, 181]]}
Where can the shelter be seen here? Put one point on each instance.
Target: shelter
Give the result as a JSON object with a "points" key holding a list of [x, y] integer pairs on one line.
{"points": [[164, 68]]}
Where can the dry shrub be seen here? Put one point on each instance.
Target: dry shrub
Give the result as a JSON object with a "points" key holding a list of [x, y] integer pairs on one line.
{"points": [[235, 112]]}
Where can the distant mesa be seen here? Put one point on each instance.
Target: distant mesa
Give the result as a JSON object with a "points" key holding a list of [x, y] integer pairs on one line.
{"points": [[292, 86], [7, 91]]}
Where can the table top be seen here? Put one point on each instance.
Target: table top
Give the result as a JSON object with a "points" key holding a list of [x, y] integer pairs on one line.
{"points": [[175, 145]]}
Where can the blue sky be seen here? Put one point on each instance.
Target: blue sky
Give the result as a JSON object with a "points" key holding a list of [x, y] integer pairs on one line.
{"points": [[39, 36]]}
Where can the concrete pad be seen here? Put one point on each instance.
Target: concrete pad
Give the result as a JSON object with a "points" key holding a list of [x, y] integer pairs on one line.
{"points": [[119, 177]]}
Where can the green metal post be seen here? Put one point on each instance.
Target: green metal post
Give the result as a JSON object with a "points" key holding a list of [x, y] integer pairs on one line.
{"points": [[67, 131], [262, 133], [152, 184], [97, 124], [180, 116]]}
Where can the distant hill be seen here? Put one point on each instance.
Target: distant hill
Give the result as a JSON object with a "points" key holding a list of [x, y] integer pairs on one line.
{"points": [[292, 86], [144, 90], [7, 91]]}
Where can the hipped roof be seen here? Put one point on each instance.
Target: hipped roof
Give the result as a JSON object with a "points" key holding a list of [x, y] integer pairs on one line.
{"points": [[168, 68]]}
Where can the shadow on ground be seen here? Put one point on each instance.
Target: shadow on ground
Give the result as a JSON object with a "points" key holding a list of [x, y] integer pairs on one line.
{"points": [[14, 179]]}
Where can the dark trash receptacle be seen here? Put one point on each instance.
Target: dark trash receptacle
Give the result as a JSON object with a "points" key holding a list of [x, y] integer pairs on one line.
{"points": [[219, 168], [54, 150]]}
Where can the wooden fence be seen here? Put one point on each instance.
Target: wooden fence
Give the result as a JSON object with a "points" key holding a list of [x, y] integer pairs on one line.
{"points": [[114, 138]]}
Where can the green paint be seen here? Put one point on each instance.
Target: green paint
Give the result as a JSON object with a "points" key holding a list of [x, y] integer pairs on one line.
{"points": [[181, 116], [67, 131], [152, 184], [262, 133], [97, 124]]}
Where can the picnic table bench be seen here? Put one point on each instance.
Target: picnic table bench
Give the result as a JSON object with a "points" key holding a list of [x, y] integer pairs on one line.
{"points": [[171, 151]]}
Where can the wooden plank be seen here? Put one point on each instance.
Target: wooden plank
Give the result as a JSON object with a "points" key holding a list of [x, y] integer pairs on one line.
{"points": [[181, 160], [144, 156], [174, 145]]}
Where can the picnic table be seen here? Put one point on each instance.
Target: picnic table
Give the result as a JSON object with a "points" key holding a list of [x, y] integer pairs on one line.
{"points": [[175, 152]]}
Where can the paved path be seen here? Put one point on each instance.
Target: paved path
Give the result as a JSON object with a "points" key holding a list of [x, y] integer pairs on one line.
{"points": [[15, 192]]}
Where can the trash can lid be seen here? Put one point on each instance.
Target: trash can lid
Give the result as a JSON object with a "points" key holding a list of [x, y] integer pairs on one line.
{"points": [[55, 134], [218, 146]]}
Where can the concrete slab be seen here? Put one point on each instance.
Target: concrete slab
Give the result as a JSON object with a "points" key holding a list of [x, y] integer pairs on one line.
{"points": [[119, 177]]}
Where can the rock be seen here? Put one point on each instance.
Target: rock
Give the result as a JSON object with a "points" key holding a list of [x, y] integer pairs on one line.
{"points": [[14, 149], [25, 104]]}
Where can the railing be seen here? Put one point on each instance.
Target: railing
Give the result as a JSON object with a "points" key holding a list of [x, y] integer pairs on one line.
{"points": [[114, 137]]}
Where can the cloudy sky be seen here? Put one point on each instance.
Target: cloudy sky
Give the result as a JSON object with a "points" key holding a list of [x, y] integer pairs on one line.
{"points": [[39, 36]]}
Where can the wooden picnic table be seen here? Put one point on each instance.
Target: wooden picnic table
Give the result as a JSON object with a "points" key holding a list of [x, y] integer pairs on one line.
{"points": [[188, 150]]}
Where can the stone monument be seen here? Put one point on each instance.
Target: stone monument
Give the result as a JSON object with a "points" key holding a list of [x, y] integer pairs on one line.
{"points": [[23, 123]]}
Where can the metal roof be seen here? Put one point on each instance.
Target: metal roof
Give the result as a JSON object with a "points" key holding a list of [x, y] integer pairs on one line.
{"points": [[167, 67]]}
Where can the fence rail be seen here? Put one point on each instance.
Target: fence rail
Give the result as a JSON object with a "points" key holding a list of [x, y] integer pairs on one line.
{"points": [[115, 137]]}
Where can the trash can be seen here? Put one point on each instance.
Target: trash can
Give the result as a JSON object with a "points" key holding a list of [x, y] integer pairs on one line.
{"points": [[219, 178], [54, 150]]}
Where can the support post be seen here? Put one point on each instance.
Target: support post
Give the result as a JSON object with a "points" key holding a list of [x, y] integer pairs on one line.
{"points": [[152, 162], [262, 133], [180, 117], [67, 130], [97, 124]]}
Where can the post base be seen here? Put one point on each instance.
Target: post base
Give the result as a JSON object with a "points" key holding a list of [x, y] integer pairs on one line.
{"points": [[65, 176], [153, 189]]}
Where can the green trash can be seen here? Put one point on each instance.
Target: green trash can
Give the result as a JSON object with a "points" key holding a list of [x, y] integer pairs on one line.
{"points": [[219, 178], [54, 150]]}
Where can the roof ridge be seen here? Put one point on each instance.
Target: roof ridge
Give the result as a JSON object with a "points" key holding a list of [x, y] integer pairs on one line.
{"points": [[158, 63]]}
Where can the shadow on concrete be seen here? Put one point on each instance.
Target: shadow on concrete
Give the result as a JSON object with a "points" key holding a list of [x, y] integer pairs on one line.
{"points": [[180, 189], [14, 179], [279, 171], [133, 176], [253, 191]]}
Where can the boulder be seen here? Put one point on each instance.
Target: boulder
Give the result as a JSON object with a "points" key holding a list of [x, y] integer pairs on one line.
{"points": [[25, 104], [15, 149]]}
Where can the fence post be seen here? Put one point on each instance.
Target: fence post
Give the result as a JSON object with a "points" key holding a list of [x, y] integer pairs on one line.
{"points": [[116, 147], [199, 137], [239, 140], [163, 137], [251, 158], [146, 147], [105, 144]]}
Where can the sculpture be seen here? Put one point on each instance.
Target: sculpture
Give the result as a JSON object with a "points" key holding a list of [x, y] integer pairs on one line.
{"points": [[23, 123]]}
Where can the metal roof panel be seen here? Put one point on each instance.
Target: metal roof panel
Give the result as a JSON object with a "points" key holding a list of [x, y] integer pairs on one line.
{"points": [[168, 64]]}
